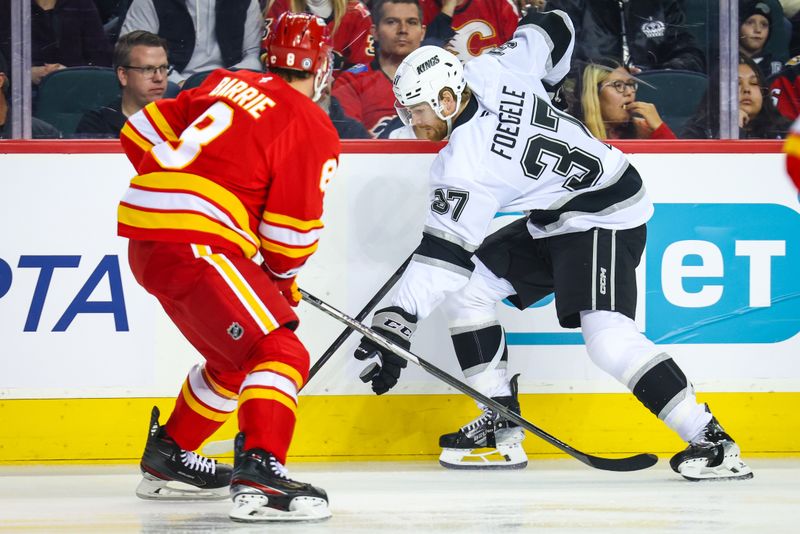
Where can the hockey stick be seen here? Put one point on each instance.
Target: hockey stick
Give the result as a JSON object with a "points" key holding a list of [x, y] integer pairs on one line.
{"points": [[216, 448], [633, 463], [366, 310]]}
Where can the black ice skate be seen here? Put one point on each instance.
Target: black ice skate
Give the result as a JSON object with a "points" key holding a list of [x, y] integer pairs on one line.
{"points": [[488, 442], [714, 456], [262, 490], [171, 473]]}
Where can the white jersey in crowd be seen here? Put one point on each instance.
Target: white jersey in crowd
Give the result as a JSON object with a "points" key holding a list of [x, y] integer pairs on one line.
{"points": [[512, 150]]}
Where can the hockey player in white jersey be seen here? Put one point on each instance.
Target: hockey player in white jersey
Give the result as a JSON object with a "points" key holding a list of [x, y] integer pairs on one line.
{"points": [[510, 150]]}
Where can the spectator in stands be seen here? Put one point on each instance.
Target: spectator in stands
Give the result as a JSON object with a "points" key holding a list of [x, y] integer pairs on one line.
{"points": [[758, 118], [609, 108], [140, 61], [39, 128], [64, 33], [755, 17], [201, 35], [348, 21], [785, 90], [641, 34], [467, 28], [365, 91]]}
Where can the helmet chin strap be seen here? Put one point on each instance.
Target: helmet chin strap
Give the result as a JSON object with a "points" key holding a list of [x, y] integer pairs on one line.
{"points": [[449, 122], [449, 119]]}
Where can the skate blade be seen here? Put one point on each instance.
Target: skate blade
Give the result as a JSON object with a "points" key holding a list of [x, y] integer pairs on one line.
{"points": [[255, 509], [155, 489], [731, 468], [503, 457]]}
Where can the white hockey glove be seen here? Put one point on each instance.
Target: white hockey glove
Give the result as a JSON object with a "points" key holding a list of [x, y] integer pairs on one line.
{"points": [[396, 325]]}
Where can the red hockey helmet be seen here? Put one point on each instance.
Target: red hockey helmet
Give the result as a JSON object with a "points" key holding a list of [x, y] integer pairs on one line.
{"points": [[302, 42]]}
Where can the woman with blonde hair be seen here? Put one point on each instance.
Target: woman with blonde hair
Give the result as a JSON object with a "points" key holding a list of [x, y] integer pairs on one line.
{"points": [[348, 20], [609, 108]]}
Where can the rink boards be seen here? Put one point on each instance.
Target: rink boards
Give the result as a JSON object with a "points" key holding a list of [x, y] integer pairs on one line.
{"points": [[85, 351]]}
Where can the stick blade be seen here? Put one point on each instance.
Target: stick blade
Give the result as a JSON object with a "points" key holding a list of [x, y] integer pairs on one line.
{"points": [[632, 463]]}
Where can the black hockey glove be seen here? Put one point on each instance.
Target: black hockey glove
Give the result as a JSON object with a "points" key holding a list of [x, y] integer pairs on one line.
{"points": [[397, 326]]}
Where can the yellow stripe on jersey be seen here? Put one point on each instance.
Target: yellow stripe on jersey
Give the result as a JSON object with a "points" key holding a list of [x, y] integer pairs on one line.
{"points": [[218, 388], [134, 136], [792, 145], [150, 220], [160, 122], [247, 296], [267, 394], [288, 252], [203, 186], [199, 408], [297, 224], [282, 368]]}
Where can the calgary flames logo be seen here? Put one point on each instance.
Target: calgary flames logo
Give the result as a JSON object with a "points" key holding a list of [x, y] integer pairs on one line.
{"points": [[472, 39]]}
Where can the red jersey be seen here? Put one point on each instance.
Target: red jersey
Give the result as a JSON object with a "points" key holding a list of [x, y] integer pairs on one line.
{"points": [[366, 95], [479, 24], [352, 39], [785, 91], [229, 164]]}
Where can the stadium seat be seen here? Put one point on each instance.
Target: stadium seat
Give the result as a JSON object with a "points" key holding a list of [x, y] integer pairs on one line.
{"points": [[172, 90], [196, 79], [675, 93], [65, 95]]}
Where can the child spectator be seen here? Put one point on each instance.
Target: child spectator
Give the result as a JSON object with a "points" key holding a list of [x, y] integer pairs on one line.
{"points": [[755, 18]]}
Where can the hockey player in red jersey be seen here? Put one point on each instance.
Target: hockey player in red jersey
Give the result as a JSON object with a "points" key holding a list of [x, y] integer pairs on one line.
{"points": [[792, 149], [348, 21], [223, 213]]}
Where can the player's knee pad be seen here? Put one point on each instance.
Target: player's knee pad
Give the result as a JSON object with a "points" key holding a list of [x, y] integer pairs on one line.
{"points": [[284, 349], [483, 356], [615, 345], [475, 303]]}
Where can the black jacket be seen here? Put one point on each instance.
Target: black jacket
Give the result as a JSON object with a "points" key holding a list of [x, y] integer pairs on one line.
{"points": [[656, 32], [102, 123], [347, 127]]}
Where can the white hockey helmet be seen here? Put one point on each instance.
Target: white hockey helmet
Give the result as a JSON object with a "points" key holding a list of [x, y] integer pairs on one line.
{"points": [[421, 77]]}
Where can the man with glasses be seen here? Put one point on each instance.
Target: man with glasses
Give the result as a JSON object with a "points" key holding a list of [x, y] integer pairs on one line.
{"points": [[140, 61]]}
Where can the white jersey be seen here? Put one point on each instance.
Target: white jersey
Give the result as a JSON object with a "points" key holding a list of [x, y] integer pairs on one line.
{"points": [[511, 150]]}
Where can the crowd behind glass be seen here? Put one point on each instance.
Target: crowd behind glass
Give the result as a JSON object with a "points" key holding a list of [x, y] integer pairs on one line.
{"points": [[641, 69]]}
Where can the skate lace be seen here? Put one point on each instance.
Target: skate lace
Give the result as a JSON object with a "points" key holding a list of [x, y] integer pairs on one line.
{"points": [[278, 468], [477, 423], [192, 460]]}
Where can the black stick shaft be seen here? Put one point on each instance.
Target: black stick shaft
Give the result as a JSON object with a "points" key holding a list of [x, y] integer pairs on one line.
{"points": [[633, 463], [360, 317]]}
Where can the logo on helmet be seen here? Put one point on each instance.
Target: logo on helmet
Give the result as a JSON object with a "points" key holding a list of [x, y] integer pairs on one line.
{"points": [[428, 63]]}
